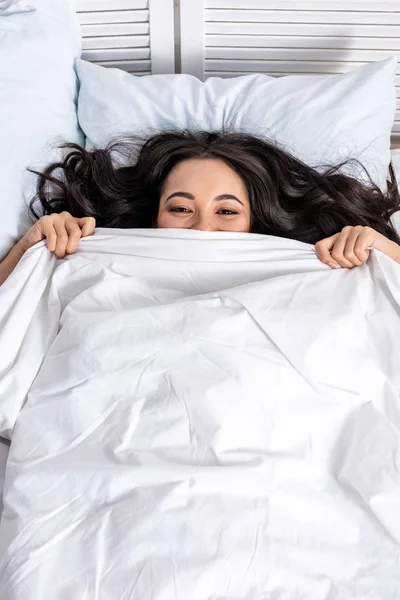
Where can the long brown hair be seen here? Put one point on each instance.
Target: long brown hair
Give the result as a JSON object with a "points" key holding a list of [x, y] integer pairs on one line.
{"points": [[287, 197]]}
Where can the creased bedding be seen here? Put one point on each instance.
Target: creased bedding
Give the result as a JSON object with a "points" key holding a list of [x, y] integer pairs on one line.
{"points": [[200, 416]]}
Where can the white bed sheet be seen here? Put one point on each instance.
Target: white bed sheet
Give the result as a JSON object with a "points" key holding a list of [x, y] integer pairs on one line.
{"points": [[216, 416], [4, 448]]}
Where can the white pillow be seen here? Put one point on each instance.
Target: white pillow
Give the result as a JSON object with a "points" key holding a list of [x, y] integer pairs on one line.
{"points": [[395, 154], [395, 157], [321, 119], [8, 7], [38, 90]]}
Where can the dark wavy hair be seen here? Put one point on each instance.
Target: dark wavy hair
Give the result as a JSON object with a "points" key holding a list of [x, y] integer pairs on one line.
{"points": [[287, 197]]}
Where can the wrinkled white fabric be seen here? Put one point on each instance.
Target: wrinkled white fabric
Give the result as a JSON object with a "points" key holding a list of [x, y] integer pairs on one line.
{"points": [[11, 7], [209, 416]]}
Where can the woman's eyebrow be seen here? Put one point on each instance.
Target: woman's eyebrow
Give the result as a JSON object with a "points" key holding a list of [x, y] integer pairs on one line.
{"points": [[183, 194], [216, 199]]}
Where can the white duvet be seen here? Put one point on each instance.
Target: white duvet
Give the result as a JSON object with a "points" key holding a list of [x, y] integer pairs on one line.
{"points": [[209, 416]]}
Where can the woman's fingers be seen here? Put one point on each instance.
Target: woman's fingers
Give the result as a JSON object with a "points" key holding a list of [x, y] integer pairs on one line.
{"points": [[74, 235], [356, 249], [351, 235], [349, 248], [76, 229], [338, 249], [46, 227], [88, 225], [62, 237], [61, 231], [323, 250]]}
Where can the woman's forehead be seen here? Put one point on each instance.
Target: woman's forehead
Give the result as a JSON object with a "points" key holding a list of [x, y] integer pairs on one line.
{"points": [[205, 171]]}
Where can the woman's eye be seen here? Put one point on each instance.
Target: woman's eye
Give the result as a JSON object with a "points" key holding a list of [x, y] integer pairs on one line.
{"points": [[222, 211], [179, 209], [226, 211]]}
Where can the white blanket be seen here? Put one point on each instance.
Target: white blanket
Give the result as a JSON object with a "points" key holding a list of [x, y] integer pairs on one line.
{"points": [[205, 416]]}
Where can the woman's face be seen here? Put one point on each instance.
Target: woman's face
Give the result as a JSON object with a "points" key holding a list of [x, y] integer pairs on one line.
{"points": [[204, 194]]}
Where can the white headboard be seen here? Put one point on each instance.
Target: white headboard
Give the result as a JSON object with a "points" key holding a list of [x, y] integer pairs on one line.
{"points": [[134, 35], [235, 37], [284, 37]]}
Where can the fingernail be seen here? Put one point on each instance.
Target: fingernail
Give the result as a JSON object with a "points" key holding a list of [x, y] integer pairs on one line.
{"points": [[333, 265]]}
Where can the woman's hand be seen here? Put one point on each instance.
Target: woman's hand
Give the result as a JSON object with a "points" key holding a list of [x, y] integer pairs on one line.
{"points": [[351, 247], [62, 232]]}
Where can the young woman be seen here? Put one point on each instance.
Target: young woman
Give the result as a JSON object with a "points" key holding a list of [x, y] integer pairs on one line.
{"points": [[211, 181]]}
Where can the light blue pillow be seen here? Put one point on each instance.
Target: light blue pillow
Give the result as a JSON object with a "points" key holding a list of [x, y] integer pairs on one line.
{"points": [[321, 119], [39, 42]]}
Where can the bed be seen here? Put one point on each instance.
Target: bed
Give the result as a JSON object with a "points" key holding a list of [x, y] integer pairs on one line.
{"points": [[227, 38], [326, 522]]}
